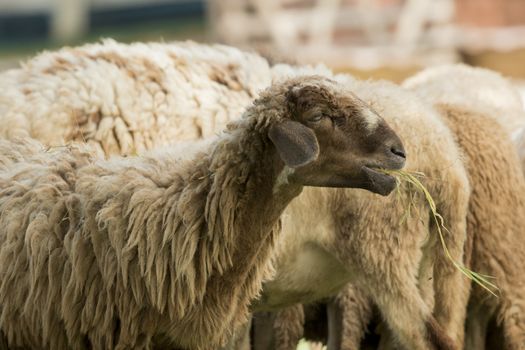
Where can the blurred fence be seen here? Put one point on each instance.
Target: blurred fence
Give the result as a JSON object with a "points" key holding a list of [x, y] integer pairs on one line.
{"points": [[368, 33], [372, 34], [348, 35]]}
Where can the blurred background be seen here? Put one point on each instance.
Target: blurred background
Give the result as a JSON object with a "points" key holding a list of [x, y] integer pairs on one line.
{"points": [[369, 38]]}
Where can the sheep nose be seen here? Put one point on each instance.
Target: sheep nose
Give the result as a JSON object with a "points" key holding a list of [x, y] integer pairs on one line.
{"points": [[400, 152]]}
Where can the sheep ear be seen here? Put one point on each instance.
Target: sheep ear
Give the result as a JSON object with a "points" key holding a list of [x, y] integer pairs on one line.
{"points": [[295, 143]]}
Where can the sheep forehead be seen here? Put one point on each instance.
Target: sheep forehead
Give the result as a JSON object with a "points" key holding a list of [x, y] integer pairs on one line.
{"points": [[340, 92], [370, 118], [343, 92], [313, 81]]}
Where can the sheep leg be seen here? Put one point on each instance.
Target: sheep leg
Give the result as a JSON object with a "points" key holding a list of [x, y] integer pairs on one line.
{"points": [[426, 271], [263, 334], [348, 317], [335, 313], [240, 339], [426, 288], [3, 341], [407, 315], [280, 330], [289, 327], [476, 326], [513, 326], [386, 342]]}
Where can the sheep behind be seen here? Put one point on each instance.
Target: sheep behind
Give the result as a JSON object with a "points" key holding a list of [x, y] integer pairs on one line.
{"points": [[495, 225], [497, 216], [125, 99]]}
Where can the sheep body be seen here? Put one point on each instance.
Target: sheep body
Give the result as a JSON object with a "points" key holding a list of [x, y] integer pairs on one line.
{"points": [[477, 89], [98, 264], [124, 99]]}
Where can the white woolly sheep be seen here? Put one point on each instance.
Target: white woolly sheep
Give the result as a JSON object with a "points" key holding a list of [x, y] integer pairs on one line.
{"points": [[497, 210], [467, 83], [125, 99], [494, 225], [160, 251], [348, 228]]}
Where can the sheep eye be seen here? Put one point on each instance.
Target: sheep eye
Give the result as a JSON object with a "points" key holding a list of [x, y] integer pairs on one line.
{"points": [[316, 118]]}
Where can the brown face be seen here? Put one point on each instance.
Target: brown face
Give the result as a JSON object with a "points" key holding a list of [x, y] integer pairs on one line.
{"points": [[337, 141]]}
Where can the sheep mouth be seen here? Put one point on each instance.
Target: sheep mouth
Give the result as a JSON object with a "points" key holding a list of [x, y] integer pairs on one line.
{"points": [[377, 181]]}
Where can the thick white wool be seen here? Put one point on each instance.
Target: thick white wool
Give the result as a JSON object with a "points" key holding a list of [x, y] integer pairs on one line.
{"points": [[476, 89], [124, 99]]}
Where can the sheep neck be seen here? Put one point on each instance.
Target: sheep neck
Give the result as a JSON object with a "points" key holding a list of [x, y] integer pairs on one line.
{"points": [[259, 193], [241, 215], [234, 184]]}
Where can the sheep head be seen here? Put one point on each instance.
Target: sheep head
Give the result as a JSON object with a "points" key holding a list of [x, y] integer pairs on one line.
{"points": [[331, 138]]}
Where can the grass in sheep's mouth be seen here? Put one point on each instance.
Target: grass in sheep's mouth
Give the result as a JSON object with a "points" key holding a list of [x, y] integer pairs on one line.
{"points": [[412, 179]]}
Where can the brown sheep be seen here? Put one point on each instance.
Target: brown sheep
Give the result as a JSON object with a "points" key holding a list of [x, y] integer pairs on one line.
{"points": [[337, 220], [163, 251]]}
